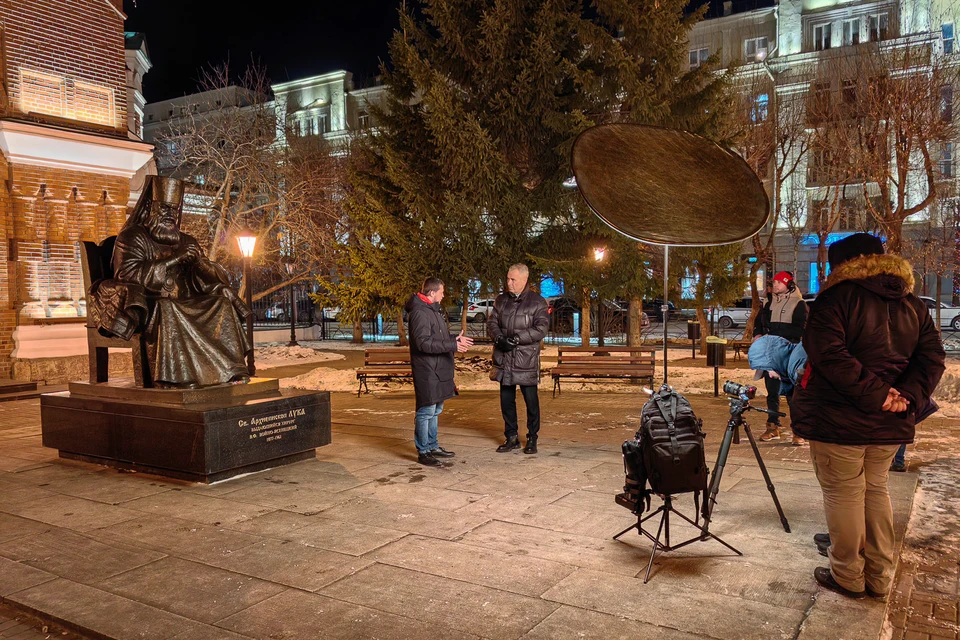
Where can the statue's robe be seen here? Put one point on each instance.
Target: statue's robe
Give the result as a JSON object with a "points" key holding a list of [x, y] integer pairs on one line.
{"points": [[195, 324]]}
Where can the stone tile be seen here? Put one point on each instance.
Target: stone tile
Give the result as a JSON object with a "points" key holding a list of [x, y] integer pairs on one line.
{"points": [[302, 498], [192, 590], [12, 527], [13, 465], [346, 465], [15, 576], [200, 631], [275, 524], [77, 557], [415, 495], [590, 625], [581, 551], [180, 537], [391, 473], [352, 539], [107, 487], [524, 575], [296, 614], [834, 612], [500, 508], [17, 495], [406, 518], [460, 605], [102, 613], [493, 485], [679, 608], [291, 563], [188, 506], [71, 513]]}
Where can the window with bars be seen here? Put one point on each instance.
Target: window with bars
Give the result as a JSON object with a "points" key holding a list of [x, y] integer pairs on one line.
{"points": [[822, 37], [946, 160]]}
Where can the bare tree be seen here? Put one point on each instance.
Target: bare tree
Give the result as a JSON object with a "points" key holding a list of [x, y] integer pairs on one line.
{"points": [[245, 176]]}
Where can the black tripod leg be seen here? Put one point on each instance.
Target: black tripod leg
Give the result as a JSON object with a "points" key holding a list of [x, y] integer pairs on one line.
{"points": [[766, 477], [656, 545], [711, 498], [630, 528]]}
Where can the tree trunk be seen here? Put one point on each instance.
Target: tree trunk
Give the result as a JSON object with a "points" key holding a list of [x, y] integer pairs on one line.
{"points": [[634, 327], [894, 238], [585, 319], [704, 329], [357, 332], [755, 304], [401, 329], [463, 311]]}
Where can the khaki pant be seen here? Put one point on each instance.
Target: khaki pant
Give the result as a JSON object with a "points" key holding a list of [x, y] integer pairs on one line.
{"points": [[859, 513]]}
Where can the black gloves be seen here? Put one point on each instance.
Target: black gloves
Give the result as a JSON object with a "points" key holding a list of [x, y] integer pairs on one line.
{"points": [[505, 344]]}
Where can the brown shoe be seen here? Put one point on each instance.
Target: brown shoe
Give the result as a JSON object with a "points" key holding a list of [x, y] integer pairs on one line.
{"points": [[798, 441], [772, 433]]}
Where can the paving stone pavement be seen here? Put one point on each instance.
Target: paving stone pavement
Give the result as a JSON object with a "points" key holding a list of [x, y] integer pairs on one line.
{"points": [[16, 625], [363, 542]]}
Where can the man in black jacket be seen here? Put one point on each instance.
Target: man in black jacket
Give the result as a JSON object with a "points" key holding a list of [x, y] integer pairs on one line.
{"points": [[875, 358], [431, 356], [517, 325], [784, 315]]}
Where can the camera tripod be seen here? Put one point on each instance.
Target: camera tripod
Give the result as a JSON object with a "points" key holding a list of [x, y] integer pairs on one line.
{"points": [[738, 406], [664, 529]]}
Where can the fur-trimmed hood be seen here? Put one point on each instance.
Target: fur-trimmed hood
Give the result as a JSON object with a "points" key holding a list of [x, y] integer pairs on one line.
{"points": [[887, 275]]}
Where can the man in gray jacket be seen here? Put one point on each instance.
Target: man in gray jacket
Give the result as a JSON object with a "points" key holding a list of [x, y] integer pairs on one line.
{"points": [[431, 358], [517, 325]]}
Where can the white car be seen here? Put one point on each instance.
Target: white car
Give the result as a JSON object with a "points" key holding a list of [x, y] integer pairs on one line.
{"points": [[479, 311], [949, 315], [738, 314]]}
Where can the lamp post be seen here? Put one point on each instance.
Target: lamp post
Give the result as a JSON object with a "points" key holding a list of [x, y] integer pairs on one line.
{"points": [[598, 255], [247, 240], [293, 305]]}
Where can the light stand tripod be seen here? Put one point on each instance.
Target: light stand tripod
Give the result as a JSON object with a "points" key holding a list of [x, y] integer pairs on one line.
{"points": [[664, 529], [739, 404]]}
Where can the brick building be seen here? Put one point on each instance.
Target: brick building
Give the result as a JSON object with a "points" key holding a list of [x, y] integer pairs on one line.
{"points": [[69, 152]]}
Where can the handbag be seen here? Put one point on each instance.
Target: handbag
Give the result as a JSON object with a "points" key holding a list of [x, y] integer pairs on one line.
{"points": [[494, 373]]}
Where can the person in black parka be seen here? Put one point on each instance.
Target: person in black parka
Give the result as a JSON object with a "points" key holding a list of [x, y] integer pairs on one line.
{"points": [[431, 357], [517, 325], [874, 361]]}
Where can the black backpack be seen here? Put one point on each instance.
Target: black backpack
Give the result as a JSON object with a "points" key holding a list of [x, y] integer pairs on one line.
{"points": [[667, 451]]}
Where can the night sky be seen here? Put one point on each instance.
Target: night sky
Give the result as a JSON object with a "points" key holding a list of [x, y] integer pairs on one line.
{"points": [[292, 39]]}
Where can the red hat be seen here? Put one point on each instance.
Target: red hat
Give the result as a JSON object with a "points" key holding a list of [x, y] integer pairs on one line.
{"points": [[784, 276]]}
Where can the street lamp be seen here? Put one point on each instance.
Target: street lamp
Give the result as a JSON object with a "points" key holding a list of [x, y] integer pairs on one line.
{"points": [[599, 253], [291, 267], [247, 241]]}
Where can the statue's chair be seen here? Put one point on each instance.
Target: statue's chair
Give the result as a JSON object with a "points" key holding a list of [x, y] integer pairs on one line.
{"points": [[97, 264]]}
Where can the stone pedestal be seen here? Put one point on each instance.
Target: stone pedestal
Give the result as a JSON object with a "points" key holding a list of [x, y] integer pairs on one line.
{"points": [[202, 435]]}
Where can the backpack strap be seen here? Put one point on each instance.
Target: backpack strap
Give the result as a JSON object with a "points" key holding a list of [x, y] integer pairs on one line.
{"points": [[670, 419]]}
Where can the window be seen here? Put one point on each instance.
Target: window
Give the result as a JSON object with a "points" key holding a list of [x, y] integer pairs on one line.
{"points": [[946, 32], [324, 121], [698, 57], [363, 119], [755, 49], [851, 32], [822, 34], [42, 93], [946, 160], [150, 117], [308, 127], [849, 92], [946, 103], [878, 27], [759, 108]]}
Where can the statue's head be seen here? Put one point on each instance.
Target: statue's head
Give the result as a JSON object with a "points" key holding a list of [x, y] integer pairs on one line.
{"points": [[166, 203]]}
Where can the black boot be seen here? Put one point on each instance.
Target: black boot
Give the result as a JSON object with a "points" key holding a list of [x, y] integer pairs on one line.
{"points": [[428, 460], [511, 443], [531, 445]]}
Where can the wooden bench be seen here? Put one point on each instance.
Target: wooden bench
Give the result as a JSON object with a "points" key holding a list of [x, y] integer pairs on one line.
{"points": [[633, 363], [739, 347], [384, 363]]}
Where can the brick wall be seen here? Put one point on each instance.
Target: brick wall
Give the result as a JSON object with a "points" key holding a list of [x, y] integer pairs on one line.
{"points": [[65, 58]]}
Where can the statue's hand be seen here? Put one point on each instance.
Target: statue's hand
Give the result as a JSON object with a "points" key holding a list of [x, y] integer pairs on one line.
{"points": [[188, 254]]}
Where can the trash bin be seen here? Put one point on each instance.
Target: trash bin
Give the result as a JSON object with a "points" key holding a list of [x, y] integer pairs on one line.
{"points": [[716, 352], [693, 330]]}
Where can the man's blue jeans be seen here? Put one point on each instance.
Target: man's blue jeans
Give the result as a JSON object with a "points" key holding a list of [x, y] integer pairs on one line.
{"points": [[900, 457], [425, 434]]}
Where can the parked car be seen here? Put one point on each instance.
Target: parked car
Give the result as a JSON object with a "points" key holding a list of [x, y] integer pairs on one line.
{"points": [[562, 311], [949, 314], [479, 311], [653, 310], [735, 315]]}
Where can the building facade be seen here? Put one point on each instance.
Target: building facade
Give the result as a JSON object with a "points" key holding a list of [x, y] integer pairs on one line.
{"points": [[792, 57], [69, 151]]}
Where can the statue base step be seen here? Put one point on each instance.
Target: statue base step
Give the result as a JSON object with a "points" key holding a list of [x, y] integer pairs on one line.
{"points": [[202, 439]]}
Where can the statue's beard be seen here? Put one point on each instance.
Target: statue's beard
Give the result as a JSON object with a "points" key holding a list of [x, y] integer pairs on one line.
{"points": [[164, 231]]}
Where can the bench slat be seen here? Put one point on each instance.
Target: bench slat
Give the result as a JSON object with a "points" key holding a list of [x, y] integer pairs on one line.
{"points": [[603, 359], [605, 349]]}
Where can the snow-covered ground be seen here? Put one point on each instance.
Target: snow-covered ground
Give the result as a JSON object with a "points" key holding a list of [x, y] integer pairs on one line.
{"points": [[276, 354]]}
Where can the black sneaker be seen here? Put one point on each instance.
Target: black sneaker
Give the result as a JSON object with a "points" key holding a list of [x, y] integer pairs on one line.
{"points": [[440, 452], [509, 445], [822, 538], [900, 467], [827, 581], [428, 460]]}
